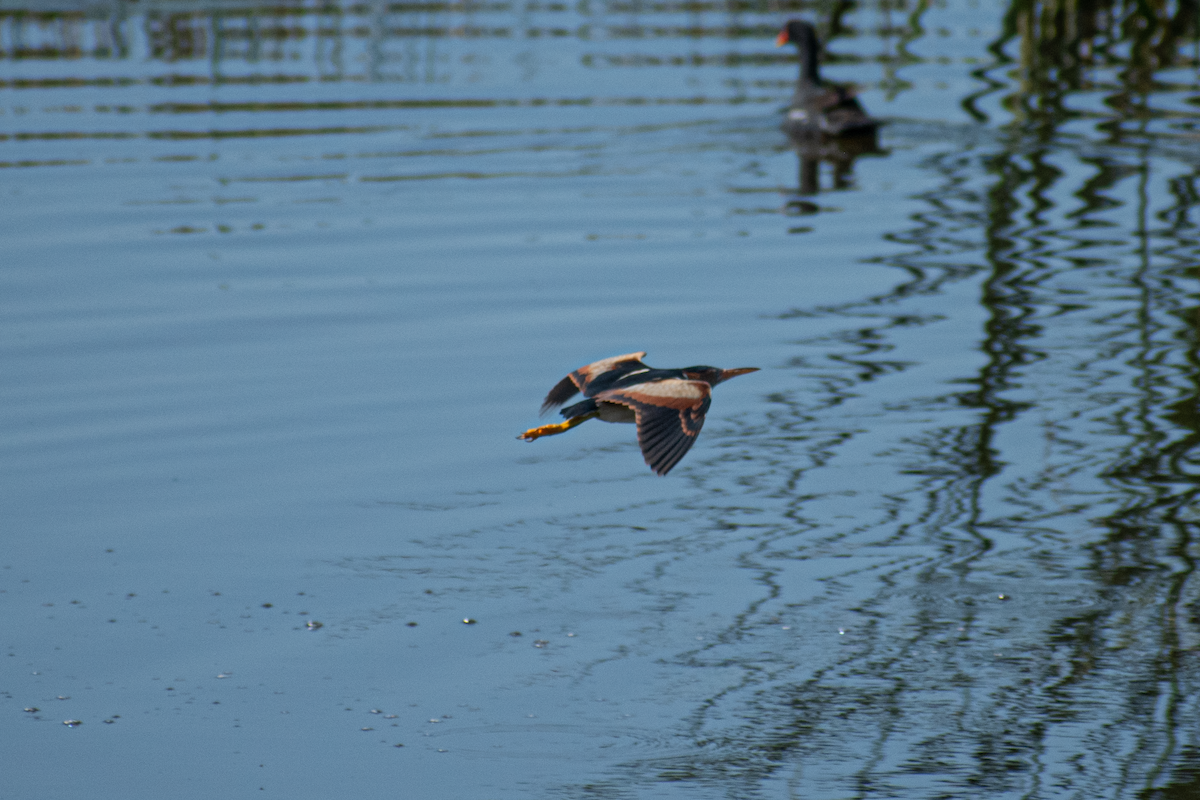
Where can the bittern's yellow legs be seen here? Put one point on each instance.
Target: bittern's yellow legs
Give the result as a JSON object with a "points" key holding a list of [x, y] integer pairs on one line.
{"points": [[550, 430]]}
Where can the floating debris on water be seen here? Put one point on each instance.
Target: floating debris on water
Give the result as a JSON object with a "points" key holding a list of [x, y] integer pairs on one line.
{"points": [[32, 710], [540, 642], [72, 723]]}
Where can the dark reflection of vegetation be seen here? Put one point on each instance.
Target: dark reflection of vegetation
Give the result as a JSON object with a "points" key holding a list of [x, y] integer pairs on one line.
{"points": [[1086, 683], [1063, 48], [1091, 334]]}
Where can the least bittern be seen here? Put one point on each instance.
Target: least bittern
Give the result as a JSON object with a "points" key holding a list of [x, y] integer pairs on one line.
{"points": [[668, 405], [819, 108]]}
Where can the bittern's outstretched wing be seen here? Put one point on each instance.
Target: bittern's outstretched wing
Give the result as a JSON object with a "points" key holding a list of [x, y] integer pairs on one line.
{"points": [[582, 378], [670, 414]]}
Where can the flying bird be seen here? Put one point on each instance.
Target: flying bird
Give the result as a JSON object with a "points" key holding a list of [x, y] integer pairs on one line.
{"points": [[819, 108], [668, 405]]}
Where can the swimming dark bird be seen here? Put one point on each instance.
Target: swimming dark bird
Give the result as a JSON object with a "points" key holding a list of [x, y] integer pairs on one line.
{"points": [[668, 405], [820, 108]]}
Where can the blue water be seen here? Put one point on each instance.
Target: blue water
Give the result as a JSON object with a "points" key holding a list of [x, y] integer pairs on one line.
{"points": [[281, 285]]}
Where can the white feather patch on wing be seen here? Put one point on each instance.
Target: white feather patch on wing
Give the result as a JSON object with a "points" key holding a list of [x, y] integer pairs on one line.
{"points": [[673, 388]]}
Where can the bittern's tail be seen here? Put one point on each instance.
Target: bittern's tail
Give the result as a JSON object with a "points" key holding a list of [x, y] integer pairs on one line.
{"points": [[550, 430]]}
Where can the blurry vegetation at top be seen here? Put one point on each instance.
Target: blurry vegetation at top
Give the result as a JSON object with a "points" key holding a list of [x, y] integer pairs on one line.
{"points": [[1123, 49], [1119, 48]]}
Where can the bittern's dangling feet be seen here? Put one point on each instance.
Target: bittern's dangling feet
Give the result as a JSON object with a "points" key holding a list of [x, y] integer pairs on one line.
{"points": [[562, 427], [668, 405]]}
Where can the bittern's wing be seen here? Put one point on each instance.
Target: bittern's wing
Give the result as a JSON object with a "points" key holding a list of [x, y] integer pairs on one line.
{"points": [[580, 379], [669, 413]]}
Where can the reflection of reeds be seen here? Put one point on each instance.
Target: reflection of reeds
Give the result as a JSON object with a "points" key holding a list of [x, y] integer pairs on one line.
{"points": [[1133, 639], [1063, 45], [1072, 485]]}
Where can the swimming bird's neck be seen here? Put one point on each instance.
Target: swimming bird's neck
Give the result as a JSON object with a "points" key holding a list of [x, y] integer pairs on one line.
{"points": [[809, 65]]}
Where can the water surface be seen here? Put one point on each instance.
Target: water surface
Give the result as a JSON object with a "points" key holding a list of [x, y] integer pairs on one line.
{"points": [[282, 283]]}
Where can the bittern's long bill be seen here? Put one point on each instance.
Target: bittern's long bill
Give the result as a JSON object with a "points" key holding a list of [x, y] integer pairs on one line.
{"points": [[668, 405]]}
